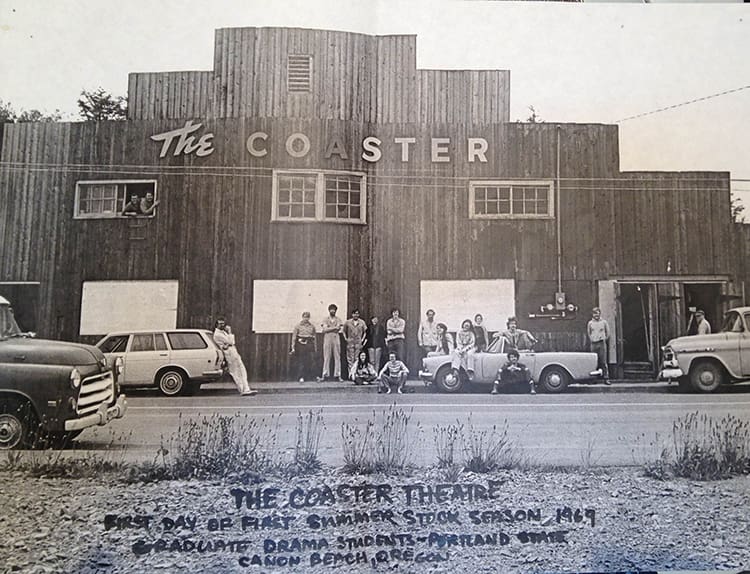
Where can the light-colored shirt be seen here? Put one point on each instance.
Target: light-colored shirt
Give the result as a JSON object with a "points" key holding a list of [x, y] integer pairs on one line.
{"points": [[304, 330], [704, 328], [427, 335], [598, 330], [395, 329], [330, 323], [394, 368], [223, 339], [465, 340], [354, 330]]}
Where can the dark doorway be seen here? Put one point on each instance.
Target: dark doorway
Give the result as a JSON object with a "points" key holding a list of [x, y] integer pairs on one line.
{"points": [[704, 296], [637, 325], [24, 298]]}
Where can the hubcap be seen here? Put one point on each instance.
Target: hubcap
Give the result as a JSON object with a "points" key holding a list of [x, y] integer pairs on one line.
{"points": [[171, 383], [10, 431], [707, 378], [554, 380]]}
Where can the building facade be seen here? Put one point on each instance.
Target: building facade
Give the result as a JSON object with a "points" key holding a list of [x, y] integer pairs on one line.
{"points": [[311, 167]]}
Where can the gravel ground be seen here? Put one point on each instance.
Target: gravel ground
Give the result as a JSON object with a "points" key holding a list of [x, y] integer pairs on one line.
{"points": [[637, 523]]}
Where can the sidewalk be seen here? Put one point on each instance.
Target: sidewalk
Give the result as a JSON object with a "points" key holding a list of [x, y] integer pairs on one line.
{"points": [[618, 386]]}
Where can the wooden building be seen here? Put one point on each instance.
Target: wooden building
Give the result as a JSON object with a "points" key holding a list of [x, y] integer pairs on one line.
{"points": [[311, 167]]}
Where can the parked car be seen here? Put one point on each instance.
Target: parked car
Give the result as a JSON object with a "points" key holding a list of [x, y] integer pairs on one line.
{"points": [[176, 361], [50, 391], [552, 371], [704, 362]]}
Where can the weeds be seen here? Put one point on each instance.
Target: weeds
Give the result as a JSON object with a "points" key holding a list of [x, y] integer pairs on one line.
{"points": [[309, 431], [588, 455], [489, 449], [385, 446], [703, 448], [446, 438]]}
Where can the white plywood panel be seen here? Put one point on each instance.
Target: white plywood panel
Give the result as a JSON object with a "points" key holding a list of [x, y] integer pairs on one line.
{"points": [[108, 306], [608, 305], [278, 305], [454, 301]]}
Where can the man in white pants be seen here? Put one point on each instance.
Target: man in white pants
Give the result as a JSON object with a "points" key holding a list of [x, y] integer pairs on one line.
{"points": [[224, 339], [332, 326]]}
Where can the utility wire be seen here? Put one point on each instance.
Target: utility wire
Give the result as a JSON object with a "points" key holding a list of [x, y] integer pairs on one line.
{"points": [[704, 98]]}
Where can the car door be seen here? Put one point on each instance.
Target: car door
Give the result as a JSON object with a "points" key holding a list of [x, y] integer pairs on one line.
{"points": [[745, 347], [114, 347], [146, 355]]}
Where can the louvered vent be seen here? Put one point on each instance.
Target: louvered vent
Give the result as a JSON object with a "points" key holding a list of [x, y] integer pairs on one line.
{"points": [[299, 73]]}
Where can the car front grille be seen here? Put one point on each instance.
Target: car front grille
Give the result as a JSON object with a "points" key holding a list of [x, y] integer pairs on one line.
{"points": [[95, 391]]}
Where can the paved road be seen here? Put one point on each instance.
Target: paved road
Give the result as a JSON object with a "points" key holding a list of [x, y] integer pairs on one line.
{"points": [[583, 426]]}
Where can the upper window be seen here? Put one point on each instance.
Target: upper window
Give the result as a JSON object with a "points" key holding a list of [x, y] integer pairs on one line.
{"points": [[510, 199], [129, 198], [299, 73], [319, 196]]}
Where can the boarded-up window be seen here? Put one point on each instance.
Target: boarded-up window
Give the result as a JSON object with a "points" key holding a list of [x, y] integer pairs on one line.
{"points": [[278, 305], [108, 306], [454, 301], [509, 199], [319, 196], [299, 73]]}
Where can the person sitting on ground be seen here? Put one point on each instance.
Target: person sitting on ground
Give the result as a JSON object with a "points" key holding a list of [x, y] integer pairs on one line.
{"points": [[394, 372], [463, 354], [445, 344], [364, 373], [516, 338], [512, 373]]}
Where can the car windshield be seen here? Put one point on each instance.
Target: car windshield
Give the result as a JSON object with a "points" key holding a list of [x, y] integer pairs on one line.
{"points": [[8, 326], [732, 323]]}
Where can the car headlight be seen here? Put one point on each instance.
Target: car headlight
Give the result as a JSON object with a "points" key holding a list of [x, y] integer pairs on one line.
{"points": [[75, 379]]}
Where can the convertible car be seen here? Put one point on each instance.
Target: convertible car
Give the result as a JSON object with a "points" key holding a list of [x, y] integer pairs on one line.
{"points": [[551, 371]]}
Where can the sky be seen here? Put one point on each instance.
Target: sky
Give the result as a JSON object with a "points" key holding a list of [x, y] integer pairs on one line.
{"points": [[585, 63]]}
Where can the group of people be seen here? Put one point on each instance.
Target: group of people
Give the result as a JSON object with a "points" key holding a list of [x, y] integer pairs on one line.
{"points": [[366, 345], [145, 205]]}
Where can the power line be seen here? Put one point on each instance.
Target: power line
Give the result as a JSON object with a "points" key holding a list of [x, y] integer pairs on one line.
{"points": [[704, 98]]}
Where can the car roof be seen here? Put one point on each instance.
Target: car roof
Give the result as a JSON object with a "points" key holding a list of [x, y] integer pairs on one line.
{"points": [[741, 309], [4, 301], [148, 331]]}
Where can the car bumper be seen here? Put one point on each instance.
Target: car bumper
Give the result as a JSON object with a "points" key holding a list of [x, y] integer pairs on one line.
{"points": [[101, 417], [670, 373], [210, 375], [427, 376]]}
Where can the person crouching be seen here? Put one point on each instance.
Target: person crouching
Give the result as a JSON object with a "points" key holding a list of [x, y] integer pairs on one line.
{"points": [[394, 372], [511, 373]]}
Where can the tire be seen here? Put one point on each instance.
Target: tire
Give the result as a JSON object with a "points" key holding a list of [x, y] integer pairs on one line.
{"points": [[447, 382], [18, 425], [172, 382], [554, 379], [706, 376]]}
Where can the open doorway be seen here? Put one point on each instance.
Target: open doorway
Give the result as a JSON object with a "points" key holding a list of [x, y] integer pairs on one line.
{"points": [[24, 298], [638, 325], [704, 296]]}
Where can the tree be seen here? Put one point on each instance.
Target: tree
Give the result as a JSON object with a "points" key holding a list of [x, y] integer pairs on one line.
{"points": [[534, 118], [97, 105], [737, 209], [9, 116]]}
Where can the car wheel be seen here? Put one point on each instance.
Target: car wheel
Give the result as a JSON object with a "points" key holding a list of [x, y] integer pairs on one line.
{"points": [[706, 376], [172, 382], [448, 382], [554, 379], [17, 425]]}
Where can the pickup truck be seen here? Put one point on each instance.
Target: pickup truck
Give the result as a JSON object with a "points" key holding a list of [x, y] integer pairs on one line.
{"points": [[50, 391], [704, 362]]}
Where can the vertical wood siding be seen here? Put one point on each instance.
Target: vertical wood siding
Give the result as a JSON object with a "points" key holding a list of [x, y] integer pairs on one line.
{"points": [[214, 235], [355, 77]]}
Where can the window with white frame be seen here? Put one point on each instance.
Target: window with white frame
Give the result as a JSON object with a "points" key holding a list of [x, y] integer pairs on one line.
{"points": [[299, 73], [332, 196], [511, 199], [113, 198]]}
